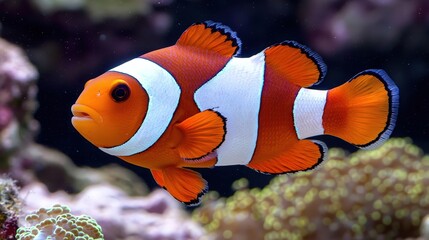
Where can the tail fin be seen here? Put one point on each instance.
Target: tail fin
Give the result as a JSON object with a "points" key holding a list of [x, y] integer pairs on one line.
{"points": [[363, 111]]}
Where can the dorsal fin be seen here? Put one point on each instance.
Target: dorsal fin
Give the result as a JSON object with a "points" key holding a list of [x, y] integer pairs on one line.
{"points": [[212, 36], [296, 62]]}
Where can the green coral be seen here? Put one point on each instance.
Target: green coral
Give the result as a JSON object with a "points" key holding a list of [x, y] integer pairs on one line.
{"points": [[97, 9], [374, 194], [58, 223]]}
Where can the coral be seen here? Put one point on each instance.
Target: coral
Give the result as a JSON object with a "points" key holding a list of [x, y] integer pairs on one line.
{"points": [[8, 208], [37, 163], [58, 223], [26, 161], [17, 100], [97, 9], [424, 228], [378, 194], [9, 228], [153, 217], [333, 27]]}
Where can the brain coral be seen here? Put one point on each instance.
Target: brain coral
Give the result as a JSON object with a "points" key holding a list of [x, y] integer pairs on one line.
{"points": [[378, 194], [58, 223]]}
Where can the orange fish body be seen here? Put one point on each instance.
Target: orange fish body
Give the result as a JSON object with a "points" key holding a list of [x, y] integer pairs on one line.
{"points": [[195, 104]]}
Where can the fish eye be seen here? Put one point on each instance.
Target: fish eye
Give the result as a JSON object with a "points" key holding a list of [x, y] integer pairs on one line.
{"points": [[120, 92]]}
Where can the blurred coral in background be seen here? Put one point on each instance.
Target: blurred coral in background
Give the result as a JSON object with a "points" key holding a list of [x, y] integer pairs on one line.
{"points": [[377, 194], [17, 101], [98, 10], [333, 26]]}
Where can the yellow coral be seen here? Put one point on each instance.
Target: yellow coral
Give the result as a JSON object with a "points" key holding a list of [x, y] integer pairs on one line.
{"points": [[367, 195]]}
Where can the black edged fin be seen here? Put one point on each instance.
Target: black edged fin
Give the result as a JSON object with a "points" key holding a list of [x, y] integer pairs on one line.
{"points": [[363, 110], [303, 156], [393, 99], [186, 185], [297, 63], [212, 36], [202, 134]]}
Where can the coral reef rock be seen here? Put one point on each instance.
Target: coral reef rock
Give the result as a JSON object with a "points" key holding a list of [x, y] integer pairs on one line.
{"points": [[58, 223], [157, 216], [17, 100], [37, 163], [377, 194], [97, 9], [28, 162], [334, 27]]}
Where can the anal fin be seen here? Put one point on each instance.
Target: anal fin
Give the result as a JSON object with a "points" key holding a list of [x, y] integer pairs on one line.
{"points": [[184, 184], [158, 176], [301, 156], [201, 134]]}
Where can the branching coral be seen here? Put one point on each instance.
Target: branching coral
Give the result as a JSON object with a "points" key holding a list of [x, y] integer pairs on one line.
{"points": [[378, 194], [58, 223]]}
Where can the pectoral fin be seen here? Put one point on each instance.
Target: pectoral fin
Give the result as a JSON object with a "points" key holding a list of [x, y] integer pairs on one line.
{"points": [[201, 135]]}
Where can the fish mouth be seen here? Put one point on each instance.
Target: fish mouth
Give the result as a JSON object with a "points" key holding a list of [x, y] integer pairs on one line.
{"points": [[84, 113]]}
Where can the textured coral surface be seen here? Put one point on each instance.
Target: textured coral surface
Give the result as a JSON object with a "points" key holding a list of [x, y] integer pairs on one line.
{"points": [[378, 194], [57, 223], [17, 100], [9, 208]]}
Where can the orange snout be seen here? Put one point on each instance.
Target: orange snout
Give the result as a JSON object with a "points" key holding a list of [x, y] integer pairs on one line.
{"points": [[101, 119]]}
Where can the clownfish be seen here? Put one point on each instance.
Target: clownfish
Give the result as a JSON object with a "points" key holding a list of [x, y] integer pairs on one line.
{"points": [[196, 104]]}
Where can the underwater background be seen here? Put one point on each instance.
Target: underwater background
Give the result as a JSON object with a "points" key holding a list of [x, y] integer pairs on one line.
{"points": [[50, 48]]}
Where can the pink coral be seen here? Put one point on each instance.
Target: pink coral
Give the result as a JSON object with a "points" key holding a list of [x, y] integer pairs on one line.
{"points": [[6, 116], [17, 100], [14, 64]]}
